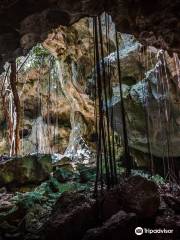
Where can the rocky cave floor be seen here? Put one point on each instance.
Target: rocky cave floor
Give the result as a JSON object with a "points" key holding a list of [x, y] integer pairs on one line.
{"points": [[58, 203]]}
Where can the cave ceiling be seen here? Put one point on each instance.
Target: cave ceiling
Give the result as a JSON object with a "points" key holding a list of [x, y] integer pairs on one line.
{"points": [[23, 23]]}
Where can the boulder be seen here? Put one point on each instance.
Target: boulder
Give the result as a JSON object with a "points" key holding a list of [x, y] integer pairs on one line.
{"points": [[72, 216], [63, 174], [119, 226], [137, 195], [86, 173], [26, 170], [141, 196], [65, 162], [170, 222], [5, 203], [173, 202], [63, 169], [111, 203]]}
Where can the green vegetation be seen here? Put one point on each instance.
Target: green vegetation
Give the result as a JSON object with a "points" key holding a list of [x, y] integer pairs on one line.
{"points": [[155, 178], [86, 174], [37, 57], [47, 193]]}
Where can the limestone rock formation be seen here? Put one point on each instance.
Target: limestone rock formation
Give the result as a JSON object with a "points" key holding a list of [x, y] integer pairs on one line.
{"points": [[74, 107], [73, 46], [45, 124], [150, 92], [26, 170], [58, 114]]}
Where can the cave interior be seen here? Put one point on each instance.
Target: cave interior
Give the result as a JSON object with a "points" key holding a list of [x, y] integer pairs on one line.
{"points": [[89, 119]]}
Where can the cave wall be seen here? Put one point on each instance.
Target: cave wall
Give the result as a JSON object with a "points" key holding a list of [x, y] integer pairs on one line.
{"points": [[150, 86], [45, 114], [73, 48]]}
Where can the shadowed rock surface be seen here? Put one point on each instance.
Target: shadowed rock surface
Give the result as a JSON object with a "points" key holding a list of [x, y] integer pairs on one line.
{"points": [[20, 31], [68, 210], [48, 199], [121, 225]]}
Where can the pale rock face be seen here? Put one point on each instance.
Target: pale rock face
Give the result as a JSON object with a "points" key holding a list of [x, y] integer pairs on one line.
{"points": [[151, 102], [60, 120], [46, 115], [73, 46]]}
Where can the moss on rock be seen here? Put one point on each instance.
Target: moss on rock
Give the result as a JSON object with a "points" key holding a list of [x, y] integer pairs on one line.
{"points": [[25, 170]]}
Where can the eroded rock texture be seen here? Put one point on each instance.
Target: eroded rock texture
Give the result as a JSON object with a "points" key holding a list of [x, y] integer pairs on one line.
{"points": [[24, 23], [151, 97], [120, 224], [73, 47], [74, 210], [22, 171], [137, 195], [45, 124]]}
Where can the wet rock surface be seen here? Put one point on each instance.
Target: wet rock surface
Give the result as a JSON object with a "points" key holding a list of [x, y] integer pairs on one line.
{"points": [[45, 127], [73, 48]]}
